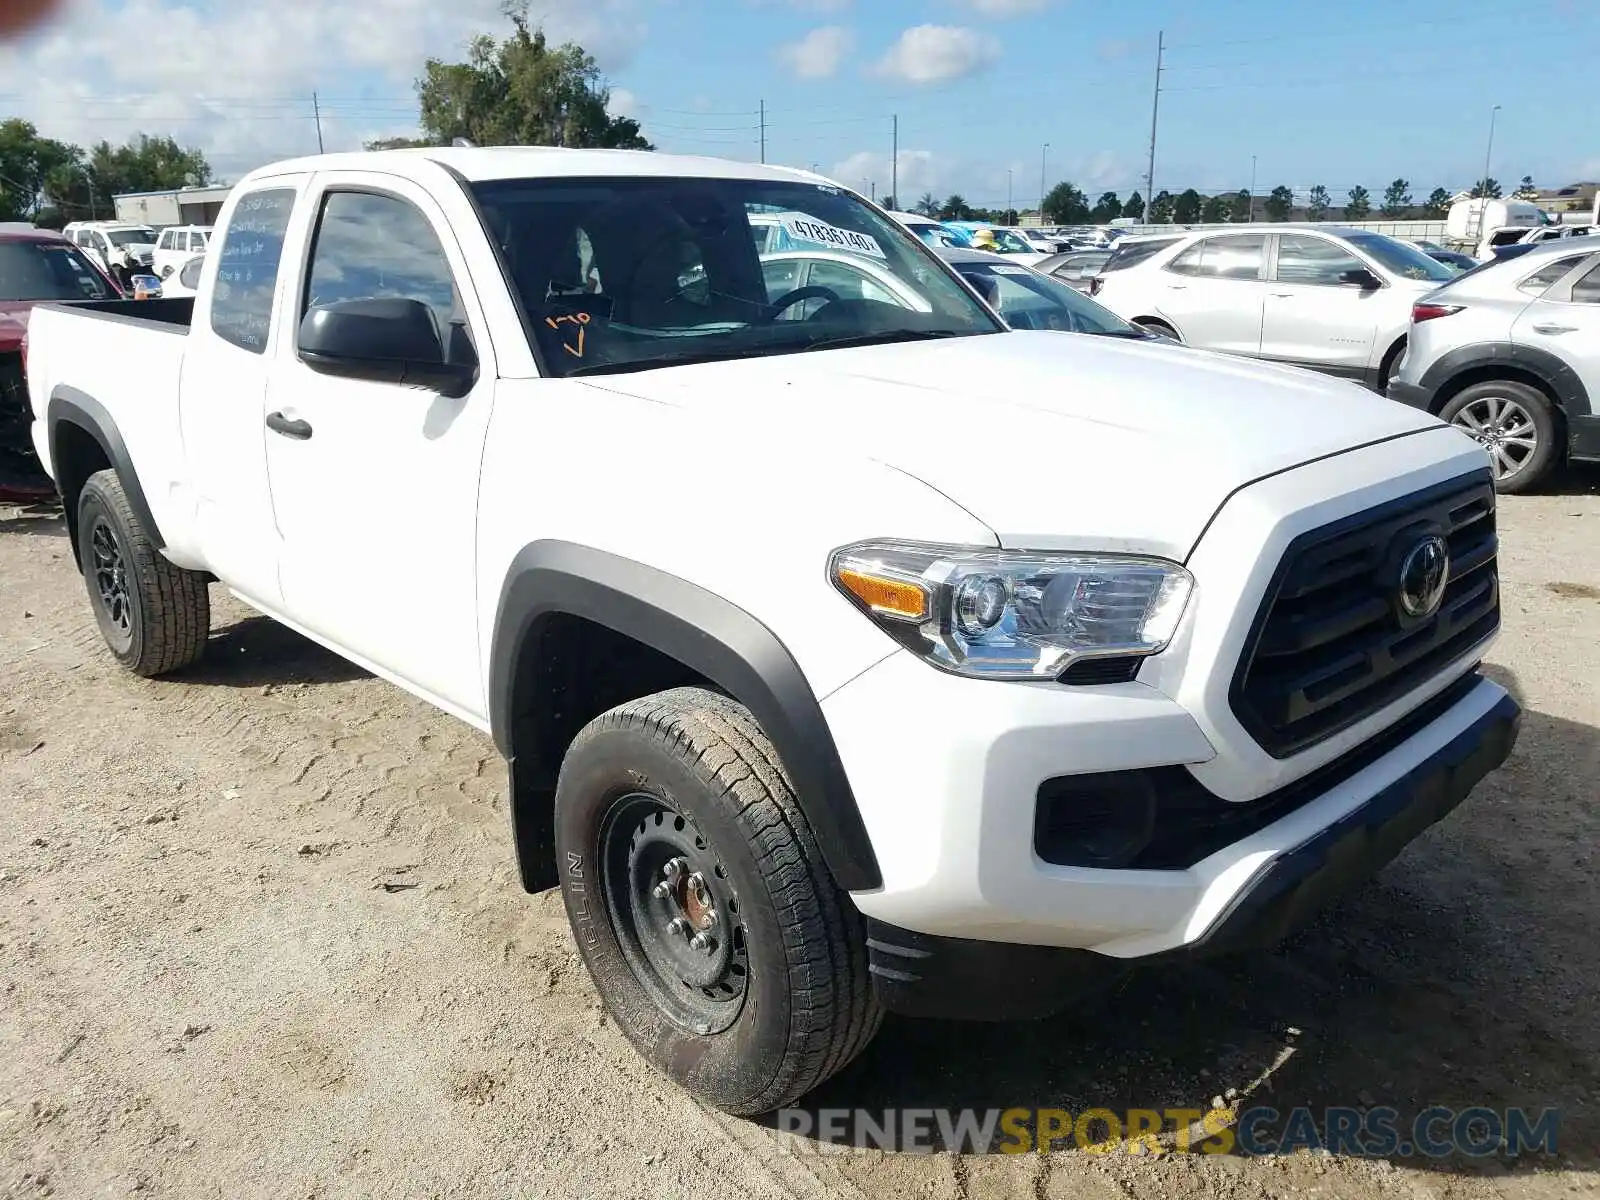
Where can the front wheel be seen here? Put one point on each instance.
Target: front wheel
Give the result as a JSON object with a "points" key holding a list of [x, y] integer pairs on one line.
{"points": [[698, 896], [1159, 328], [1515, 423]]}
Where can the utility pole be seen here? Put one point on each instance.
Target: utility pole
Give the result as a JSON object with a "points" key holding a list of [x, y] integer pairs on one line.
{"points": [[763, 131], [1487, 155], [1044, 156], [894, 164], [1011, 214], [1250, 212], [1155, 108], [316, 111]]}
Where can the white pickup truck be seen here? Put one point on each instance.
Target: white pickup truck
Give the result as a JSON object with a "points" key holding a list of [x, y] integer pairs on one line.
{"points": [[848, 656]]}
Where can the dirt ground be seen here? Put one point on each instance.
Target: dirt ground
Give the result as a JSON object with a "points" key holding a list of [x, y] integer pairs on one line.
{"points": [[260, 937]]}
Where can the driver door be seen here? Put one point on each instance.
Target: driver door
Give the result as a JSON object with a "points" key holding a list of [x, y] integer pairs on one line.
{"points": [[375, 484]]}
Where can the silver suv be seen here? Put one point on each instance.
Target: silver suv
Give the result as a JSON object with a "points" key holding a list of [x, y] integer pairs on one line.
{"points": [[1510, 352]]}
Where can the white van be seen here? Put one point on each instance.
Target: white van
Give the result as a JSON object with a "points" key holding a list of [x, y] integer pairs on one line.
{"points": [[178, 244]]}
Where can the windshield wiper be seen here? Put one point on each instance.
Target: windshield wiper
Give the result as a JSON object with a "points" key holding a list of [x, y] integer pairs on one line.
{"points": [[885, 337]]}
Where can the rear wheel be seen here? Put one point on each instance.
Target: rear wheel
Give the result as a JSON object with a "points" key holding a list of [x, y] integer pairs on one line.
{"points": [[1515, 423], [700, 903], [155, 616]]}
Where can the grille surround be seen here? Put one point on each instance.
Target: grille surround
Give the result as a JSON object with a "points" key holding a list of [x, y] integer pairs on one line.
{"points": [[1329, 645]]}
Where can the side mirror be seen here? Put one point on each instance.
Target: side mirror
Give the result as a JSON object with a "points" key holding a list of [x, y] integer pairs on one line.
{"points": [[1361, 278], [389, 340], [145, 287]]}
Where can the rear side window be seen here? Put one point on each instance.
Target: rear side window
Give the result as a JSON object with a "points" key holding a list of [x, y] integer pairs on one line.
{"points": [[190, 275], [1587, 289], [247, 268], [1233, 256], [1541, 279], [1131, 254]]}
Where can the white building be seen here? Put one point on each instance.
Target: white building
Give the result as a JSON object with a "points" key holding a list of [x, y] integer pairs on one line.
{"points": [[185, 206]]}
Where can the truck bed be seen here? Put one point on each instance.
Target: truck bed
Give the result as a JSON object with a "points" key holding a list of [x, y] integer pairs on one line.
{"points": [[168, 315]]}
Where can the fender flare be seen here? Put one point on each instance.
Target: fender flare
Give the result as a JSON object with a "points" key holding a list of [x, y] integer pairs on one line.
{"points": [[1557, 375], [706, 633], [70, 406]]}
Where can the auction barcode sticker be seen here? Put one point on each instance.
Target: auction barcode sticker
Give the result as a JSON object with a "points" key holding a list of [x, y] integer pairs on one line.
{"points": [[807, 229]]}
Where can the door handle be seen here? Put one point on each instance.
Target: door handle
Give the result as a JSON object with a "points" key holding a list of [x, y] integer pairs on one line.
{"points": [[1281, 295], [1177, 287], [297, 429], [1554, 329]]}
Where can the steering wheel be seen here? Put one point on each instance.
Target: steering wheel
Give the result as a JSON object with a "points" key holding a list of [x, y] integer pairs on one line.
{"points": [[790, 299]]}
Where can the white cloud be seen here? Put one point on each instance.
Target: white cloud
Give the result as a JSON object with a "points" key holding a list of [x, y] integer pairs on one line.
{"points": [[929, 54], [819, 53], [919, 171], [1006, 8], [623, 103], [805, 6], [236, 79]]}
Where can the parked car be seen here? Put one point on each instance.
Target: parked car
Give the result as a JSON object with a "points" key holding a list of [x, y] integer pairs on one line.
{"points": [[933, 233], [1335, 300], [119, 248], [1511, 355], [829, 276], [36, 266], [1076, 268], [1026, 298], [185, 281], [889, 659], [1451, 258], [176, 244]]}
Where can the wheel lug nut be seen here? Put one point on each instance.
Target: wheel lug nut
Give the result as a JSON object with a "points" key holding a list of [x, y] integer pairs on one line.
{"points": [[663, 890], [679, 927], [702, 941]]}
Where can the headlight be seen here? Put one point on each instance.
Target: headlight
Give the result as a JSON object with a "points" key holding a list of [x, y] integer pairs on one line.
{"points": [[1006, 614]]}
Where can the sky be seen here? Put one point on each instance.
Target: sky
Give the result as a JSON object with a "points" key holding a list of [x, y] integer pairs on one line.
{"points": [[990, 95]]}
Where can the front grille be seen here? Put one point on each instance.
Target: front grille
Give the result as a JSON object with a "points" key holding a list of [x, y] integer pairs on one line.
{"points": [[1331, 644]]}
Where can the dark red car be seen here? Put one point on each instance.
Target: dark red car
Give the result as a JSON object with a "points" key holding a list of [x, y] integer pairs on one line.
{"points": [[36, 266]]}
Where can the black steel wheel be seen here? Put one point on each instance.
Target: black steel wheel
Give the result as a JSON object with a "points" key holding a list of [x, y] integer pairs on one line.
{"points": [[154, 615], [675, 913], [713, 930]]}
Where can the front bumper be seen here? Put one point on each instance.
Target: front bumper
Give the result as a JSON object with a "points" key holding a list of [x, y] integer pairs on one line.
{"points": [[925, 975]]}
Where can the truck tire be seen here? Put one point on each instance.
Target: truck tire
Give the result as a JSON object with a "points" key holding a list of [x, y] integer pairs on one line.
{"points": [[154, 616], [1516, 424], [702, 907]]}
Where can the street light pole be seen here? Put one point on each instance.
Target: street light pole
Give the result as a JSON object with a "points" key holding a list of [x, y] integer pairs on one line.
{"points": [[1011, 216], [1250, 212], [1488, 153], [1043, 159]]}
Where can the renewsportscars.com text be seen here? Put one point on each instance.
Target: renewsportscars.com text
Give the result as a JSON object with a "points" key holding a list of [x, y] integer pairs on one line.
{"points": [[1376, 1132]]}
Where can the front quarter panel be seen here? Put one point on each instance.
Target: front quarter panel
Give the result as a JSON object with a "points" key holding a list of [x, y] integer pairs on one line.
{"points": [[752, 521]]}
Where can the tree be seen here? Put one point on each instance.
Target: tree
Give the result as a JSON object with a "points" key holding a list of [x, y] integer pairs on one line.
{"points": [[522, 92], [1161, 208], [84, 185], [1216, 209], [889, 202], [1487, 187], [1437, 206], [1066, 205], [1134, 207], [1279, 203], [1186, 209], [1009, 217], [50, 218], [927, 206], [1317, 207], [1107, 208], [1526, 191], [1397, 198], [955, 208], [1358, 205], [26, 163], [397, 143], [1240, 205]]}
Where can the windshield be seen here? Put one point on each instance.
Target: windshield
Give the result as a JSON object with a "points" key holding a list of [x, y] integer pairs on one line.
{"points": [[1403, 259], [627, 274], [1029, 300], [31, 270], [131, 237]]}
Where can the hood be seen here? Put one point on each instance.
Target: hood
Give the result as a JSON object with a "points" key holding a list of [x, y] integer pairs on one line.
{"points": [[1053, 440]]}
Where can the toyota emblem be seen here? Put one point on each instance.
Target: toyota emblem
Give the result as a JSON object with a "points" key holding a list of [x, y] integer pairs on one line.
{"points": [[1423, 574]]}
